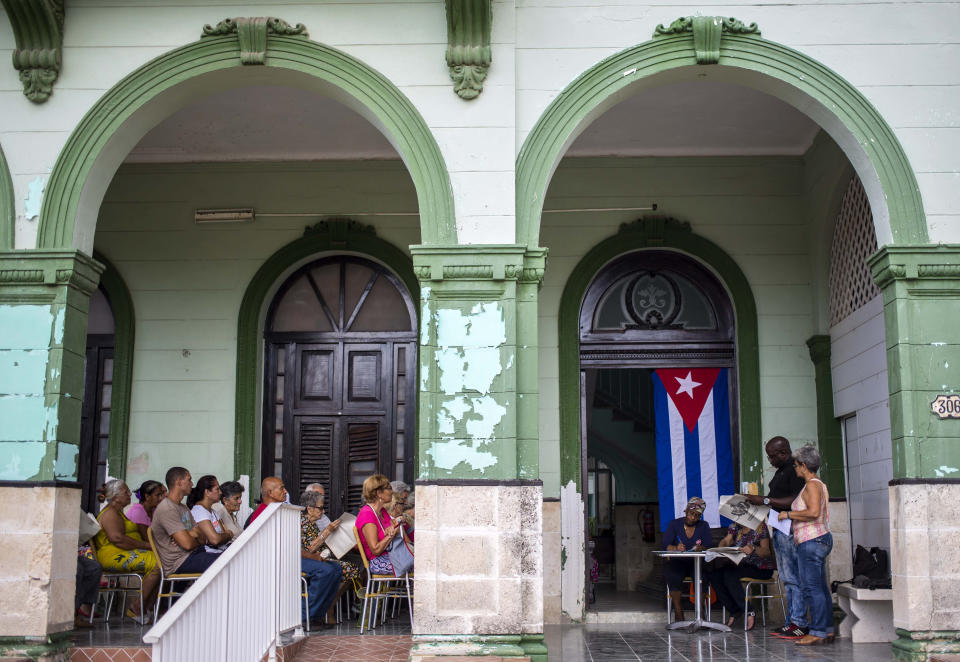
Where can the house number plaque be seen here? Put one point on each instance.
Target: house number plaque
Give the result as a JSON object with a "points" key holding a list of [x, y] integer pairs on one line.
{"points": [[946, 406]]}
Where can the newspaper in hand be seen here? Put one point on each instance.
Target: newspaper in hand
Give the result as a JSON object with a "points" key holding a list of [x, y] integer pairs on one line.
{"points": [[741, 511], [341, 540]]}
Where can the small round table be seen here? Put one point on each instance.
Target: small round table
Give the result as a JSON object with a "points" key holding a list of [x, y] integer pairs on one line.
{"points": [[697, 621]]}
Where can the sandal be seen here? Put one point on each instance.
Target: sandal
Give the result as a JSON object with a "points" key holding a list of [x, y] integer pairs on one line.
{"points": [[139, 619], [751, 620]]}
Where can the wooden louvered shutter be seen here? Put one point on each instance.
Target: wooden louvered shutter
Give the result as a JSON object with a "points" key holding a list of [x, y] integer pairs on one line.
{"points": [[362, 442], [315, 438]]}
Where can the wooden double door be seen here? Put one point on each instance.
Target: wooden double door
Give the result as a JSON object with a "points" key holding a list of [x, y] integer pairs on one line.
{"points": [[343, 395]]}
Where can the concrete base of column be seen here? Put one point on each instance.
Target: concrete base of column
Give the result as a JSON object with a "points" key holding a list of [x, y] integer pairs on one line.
{"points": [[38, 558], [479, 577], [925, 559]]}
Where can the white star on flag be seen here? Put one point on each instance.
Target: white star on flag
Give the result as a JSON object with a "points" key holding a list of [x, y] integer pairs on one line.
{"points": [[687, 385]]}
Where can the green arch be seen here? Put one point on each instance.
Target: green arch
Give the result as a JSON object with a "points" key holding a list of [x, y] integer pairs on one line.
{"points": [[128, 110], [342, 237], [660, 234], [824, 96], [7, 214], [121, 305]]}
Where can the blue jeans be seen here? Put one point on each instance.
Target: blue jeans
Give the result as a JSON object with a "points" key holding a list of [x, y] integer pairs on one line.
{"points": [[813, 578], [323, 580], [790, 576]]}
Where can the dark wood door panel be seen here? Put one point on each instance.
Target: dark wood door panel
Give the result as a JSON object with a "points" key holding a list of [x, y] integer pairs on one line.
{"points": [[318, 385], [366, 378], [315, 439], [362, 440]]}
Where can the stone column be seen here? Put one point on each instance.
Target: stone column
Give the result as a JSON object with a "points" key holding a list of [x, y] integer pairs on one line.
{"points": [[479, 582], [44, 299], [921, 299]]}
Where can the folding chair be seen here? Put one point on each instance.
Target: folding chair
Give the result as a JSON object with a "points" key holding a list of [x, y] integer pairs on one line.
{"points": [[116, 582], [173, 578], [380, 587], [747, 583]]}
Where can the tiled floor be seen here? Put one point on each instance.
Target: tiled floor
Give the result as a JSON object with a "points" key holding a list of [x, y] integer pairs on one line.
{"points": [[653, 643]]}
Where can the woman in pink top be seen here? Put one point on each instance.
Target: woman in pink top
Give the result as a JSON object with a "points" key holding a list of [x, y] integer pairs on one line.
{"points": [[810, 512], [375, 536], [149, 495]]}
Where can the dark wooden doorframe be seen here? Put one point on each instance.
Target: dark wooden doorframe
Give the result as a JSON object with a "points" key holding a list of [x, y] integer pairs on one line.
{"points": [[338, 387], [640, 347], [95, 418]]}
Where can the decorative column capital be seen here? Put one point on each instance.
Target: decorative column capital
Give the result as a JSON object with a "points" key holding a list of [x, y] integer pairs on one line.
{"points": [[27, 276], [707, 33], [38, 30], [927, 270], [479, 262], [252, 33], [469, 23], [819, 347]]}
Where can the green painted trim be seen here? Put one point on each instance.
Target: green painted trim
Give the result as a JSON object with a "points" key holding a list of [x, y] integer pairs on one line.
{"points": [[660, 234], [506, 646], [606, 82], [8, 215], [88, 144], [49, 647], [919, 646], [336, 236], [469, 24], [124, 333], [829, 435]]}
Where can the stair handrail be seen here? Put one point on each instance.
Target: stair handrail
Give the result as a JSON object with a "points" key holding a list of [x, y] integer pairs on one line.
{"points": [[238, 609]]}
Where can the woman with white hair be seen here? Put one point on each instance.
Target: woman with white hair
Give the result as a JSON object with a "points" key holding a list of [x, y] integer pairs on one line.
{"points": [[810, 513], [120, 547]]}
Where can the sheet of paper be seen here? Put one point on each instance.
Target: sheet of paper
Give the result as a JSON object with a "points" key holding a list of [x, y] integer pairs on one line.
{"points": [[341, 540], [741, 511], [773, 522]]}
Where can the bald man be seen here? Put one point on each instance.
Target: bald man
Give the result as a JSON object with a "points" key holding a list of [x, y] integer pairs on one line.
{"points": [[271, 491], [323, 577]]}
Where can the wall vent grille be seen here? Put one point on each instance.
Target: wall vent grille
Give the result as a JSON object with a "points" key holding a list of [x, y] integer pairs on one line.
{"points": [[854, 240]]}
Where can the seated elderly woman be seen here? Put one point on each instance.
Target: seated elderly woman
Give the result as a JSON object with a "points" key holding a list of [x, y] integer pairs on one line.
{"points": [[120, 548], [689, 532], [377, 529], [226, 509], [324, 577], [757, 564]]}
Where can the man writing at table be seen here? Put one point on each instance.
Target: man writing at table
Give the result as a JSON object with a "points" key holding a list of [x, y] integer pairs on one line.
{"points": [[687, 533], [784, 488]]}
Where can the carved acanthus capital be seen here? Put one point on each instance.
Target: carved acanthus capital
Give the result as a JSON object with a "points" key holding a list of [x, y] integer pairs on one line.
{"points": [[469, 23], [707, 33], [252, 33], [38, 30]]}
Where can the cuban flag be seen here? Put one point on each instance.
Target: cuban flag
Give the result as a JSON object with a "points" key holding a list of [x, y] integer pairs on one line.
{"points": [[694, 454]]}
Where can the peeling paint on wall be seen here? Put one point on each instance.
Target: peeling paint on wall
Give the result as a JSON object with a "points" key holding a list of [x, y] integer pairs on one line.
{"points": [[66, 466], [34, 198], [468, 358], [943, 470], [21, 459], [572, 551]]}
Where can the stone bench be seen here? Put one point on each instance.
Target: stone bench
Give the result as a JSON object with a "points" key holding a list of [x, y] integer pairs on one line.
{"points": [[869, 614]]}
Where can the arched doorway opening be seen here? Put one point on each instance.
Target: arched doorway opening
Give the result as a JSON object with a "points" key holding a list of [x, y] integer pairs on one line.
{"points": [[339, 378], [650, 322]]}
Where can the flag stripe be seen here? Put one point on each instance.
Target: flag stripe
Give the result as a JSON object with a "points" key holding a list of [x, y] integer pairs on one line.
{"points": [[708, 464], [726, 483], [664, 453], [680, 477]]}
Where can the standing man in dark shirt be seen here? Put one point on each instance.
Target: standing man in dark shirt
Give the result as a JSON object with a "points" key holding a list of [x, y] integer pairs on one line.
{"points": [[784, 488]]}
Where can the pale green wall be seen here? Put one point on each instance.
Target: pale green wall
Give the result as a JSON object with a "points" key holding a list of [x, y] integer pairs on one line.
{"points": [[754, 208], [187, 282]]}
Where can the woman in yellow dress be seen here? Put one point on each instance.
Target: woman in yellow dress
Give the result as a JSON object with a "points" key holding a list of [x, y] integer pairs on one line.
{"points": [[120, 547]]}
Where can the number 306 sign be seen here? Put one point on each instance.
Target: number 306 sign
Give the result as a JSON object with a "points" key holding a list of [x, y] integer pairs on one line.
{"points": [[946, 406]]}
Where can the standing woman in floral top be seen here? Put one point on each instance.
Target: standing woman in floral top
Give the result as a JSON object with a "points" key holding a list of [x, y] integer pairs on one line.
{"points": [[757, 564], [810, 513]]}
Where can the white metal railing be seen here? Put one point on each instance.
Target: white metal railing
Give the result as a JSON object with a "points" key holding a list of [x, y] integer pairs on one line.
{"points": [[239, 607]]}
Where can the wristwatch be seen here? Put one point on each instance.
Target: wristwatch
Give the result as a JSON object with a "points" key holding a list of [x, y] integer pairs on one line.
{"points": [[766, 501]]}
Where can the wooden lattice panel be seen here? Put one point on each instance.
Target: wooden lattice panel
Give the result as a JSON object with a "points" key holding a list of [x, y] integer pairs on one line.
{"points": [[854, 240]]}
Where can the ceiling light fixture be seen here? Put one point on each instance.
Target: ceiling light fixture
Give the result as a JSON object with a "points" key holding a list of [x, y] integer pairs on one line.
{"points": [[241, 215]]}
